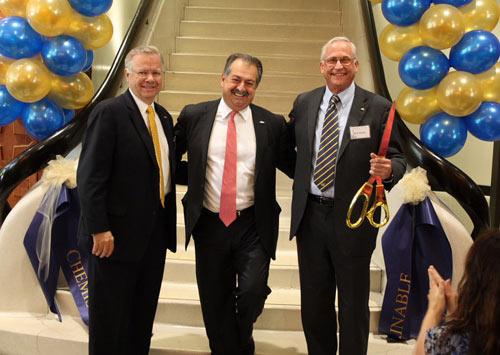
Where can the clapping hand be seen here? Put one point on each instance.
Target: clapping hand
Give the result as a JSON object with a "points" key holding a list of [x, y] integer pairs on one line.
{"points": [[441, 294]]}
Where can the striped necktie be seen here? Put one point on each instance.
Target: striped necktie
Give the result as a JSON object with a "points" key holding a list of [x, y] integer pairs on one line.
{"points": [[153, 130], [324, 171]]}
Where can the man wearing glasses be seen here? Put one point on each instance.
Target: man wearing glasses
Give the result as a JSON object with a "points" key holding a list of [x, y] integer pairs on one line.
{"points": [[127, 198], [337, 128]]}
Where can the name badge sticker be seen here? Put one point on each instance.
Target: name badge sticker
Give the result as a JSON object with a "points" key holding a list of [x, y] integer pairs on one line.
{"points": [[360, 132]]}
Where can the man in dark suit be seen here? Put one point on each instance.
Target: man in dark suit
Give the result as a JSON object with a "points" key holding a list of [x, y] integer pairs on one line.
{"points": [[230, 206], [127, 198], [337, 129]]}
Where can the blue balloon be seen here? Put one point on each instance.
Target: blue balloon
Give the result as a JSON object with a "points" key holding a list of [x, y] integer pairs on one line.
{"points": [[476, 52], [10, 108], [484, 123], [423, 67], [64, 55], [18, 39], [68, 115], [89, 61], [404, 12], [91, 7], [456, 3], [444, 134], [42, 118]]}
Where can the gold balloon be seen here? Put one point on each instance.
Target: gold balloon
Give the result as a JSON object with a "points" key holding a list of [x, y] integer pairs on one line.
{"points": [[72, 92], [28, 80], [376, 1], [490, 83], [4, 65], [93, 32], [416, 106], [459, 93], [442, 26], [13, 7], [395, 41], [481, 15], [49, 17]]}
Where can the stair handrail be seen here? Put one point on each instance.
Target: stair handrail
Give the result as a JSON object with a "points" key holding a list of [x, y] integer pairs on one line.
{"points": [[442, 174]]}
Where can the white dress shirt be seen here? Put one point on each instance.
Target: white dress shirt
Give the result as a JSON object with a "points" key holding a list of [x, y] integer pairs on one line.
{"points": [[346, 98], [245, 167], [162, 138]]}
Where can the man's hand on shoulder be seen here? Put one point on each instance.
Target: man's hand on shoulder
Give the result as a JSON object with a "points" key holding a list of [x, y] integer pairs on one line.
{"points": [[104, 244]]}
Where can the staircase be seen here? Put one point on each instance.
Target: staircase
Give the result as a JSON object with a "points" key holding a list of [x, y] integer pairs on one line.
{"points": [[287, 36]]}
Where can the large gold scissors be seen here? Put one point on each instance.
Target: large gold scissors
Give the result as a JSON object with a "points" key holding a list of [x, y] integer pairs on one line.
{"points": [[365, 192]]}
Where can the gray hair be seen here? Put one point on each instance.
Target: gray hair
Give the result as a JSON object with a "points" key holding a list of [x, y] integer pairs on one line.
{"points": [[337, 39], [247, 58], [145, 49]]}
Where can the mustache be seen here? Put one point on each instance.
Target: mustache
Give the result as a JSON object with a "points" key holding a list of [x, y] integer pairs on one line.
{"points": [[239, 92]]}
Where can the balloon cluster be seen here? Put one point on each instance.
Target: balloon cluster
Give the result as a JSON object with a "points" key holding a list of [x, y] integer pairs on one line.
{"points": [[448, 95], [46, 46]]}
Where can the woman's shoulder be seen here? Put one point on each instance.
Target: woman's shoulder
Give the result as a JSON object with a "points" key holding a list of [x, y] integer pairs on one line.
{"points": [[439, 341]]}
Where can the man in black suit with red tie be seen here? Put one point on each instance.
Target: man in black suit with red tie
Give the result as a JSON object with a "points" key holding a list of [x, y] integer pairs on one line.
{"points": [[230, 208], [337, 130], [128, 216]]}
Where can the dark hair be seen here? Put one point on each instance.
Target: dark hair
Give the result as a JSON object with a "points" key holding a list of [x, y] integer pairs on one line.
{"points": [[478, 310], [247, 58]]}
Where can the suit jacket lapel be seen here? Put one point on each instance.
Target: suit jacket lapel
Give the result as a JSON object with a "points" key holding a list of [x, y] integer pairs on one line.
{"points": [[260, 127], [168, 130], [356, 114], [312, 116], [206, 124], [136, 118]]}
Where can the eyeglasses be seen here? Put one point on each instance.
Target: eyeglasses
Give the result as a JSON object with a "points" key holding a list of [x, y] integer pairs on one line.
{"points": [[344, 61], [143, 74]]}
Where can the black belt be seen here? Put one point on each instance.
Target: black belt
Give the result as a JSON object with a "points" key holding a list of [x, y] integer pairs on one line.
{"points": [[325, 201], [239, 213]]}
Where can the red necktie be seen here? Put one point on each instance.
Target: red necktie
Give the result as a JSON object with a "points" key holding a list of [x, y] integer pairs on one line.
{"points": [[227, 211]]}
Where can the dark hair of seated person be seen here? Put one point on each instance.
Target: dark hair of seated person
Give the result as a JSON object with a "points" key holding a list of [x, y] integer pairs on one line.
{"points": [[478, 308]]}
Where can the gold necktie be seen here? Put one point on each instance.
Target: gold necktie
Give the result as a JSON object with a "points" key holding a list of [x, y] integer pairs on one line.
{"points": [[156, 143]]}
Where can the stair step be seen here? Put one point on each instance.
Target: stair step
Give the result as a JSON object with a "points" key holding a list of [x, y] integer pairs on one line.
{"points": [[181, 307], [196, 81], [286, 253], [214, 63], [245, 30], [255, 47], [266, 4], [281, 16], [176, 100], [44, 335], [283, 273]]}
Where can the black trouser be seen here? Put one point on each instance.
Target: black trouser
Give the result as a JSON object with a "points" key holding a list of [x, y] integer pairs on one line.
{"points": [[322, 267], [232, 269], [122, 301]]}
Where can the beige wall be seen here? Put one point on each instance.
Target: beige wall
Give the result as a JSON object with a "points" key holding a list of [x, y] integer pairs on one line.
{"points": [[120, 13], [167, 12]]}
